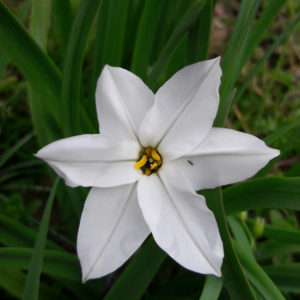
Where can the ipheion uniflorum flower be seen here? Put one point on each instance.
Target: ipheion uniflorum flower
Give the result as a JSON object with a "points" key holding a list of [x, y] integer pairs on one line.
{"points": [[153, 153]]}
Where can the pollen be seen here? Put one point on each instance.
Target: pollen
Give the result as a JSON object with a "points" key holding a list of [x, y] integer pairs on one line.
{"points": [[149, 161]]}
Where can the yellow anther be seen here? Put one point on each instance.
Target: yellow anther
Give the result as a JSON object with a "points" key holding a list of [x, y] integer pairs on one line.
{"points": [[155, 155], [147, 171], [141, 162], [148, 151], [153, 166]]}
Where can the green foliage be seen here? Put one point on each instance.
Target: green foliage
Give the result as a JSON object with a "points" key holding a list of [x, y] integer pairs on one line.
{"points": [[48, 77]]}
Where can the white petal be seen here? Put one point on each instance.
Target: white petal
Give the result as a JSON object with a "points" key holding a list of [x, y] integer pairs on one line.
{"points": [[122, 100], [225, 156], [93, 160], [184, 110], [180, 221], [111, 228]]}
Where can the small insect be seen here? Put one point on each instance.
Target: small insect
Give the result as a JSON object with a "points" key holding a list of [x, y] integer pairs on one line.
{"points": [[190, 162]]}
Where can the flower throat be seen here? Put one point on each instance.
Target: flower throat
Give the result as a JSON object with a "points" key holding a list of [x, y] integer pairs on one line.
{"points": [[149, 161]]}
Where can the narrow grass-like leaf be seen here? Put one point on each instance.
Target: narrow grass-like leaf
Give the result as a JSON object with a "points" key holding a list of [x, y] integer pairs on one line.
{"points": [[212, 288], [240, 234], [183, 25], [110, 38], [6, 155], [31, 290], [13, 281], [233, 274], [21, 14], [261, 26], [62, 23], [257, 276], [280, 234], [39, 27], [71, 83], [286, 277], [278, 40], [40, 21], [39, 70], [14, 233], [232, 62], [199, 35], [273, 192], [140, 270], [56, 263], [145, 37], [268, 249]]}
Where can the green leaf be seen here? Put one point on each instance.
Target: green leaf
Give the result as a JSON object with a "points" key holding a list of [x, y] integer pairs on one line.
{"points": [[268, 249], [258, 278], [286, 277], [12, 150], [62, 23], [232, 62], [56, 263], [72, 75], [15, 234], [24, 52], [280, 234], [271, 192], [278, 40], [40, 21], [145, 37], [139, 271], [261, 26], [212, 288], [199, 35], [233, 274], [240, 234], [183, 25], [13, 281], [31, 290]]}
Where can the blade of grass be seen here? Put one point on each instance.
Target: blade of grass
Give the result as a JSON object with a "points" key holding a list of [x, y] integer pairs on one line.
{"points": [[72, 74], [257, 276], [273, 192], [212, 288], [232, 62], [14, 233], [145, 37], [183, 25], [11, 151], [56, 263], [110, 35], [280, 234], [13, 281], [261, 26], [31, 290], [199, 35], [148, 259], [63, 23], [286, 277], [39, 27], [278, 40], [233, 274], [39, 70]]}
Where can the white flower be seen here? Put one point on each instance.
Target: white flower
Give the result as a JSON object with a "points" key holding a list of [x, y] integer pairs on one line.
{"points": [[153, 152]]}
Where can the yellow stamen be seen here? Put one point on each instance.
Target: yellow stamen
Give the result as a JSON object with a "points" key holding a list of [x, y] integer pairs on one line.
{"points": [[153, 166], [141, 162], [155, 155], [148, 151], [147, 171]]}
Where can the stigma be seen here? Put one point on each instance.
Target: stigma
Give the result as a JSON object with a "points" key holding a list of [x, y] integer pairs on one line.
{"points": [[149, 161]]}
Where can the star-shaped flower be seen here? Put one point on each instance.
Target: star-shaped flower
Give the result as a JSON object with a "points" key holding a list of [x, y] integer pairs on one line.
{"points": [[153, 152]]}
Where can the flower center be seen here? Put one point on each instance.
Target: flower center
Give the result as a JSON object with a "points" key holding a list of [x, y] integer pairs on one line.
{"points": [[149, 161]]}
